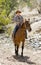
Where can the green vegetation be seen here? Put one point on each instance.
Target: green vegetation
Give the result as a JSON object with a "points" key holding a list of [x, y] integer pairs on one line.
{"points": [[7, 6]]}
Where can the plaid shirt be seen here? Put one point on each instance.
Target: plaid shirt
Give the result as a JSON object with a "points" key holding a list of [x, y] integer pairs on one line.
{"points": [[18, 19]]}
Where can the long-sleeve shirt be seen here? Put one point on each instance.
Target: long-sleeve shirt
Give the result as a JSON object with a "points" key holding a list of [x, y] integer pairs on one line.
{"points": [[18, 19]]}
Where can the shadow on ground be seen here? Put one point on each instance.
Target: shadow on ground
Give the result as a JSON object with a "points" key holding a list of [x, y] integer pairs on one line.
{"points": [[21, 59], [18, 58]]}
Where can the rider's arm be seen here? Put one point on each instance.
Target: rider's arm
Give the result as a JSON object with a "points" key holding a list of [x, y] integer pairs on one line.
{"points": [[16, 20]]}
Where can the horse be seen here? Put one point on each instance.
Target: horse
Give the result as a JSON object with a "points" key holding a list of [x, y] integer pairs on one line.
{"points": [[20, 36]]}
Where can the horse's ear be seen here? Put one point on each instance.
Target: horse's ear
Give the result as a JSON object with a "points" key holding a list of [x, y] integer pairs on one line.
{"points": [[25, 19]]}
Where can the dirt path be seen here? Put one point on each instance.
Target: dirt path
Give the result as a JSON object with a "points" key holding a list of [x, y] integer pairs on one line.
{"points": [[7, 55]]}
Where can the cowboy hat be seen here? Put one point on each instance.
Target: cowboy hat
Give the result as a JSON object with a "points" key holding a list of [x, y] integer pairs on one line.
{"points": [[18, 11]]}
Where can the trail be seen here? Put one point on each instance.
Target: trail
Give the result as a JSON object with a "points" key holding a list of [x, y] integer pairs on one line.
{"points": [[8, 57]]}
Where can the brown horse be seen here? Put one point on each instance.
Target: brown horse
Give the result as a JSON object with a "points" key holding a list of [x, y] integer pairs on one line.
{"points": [[20, 36]]}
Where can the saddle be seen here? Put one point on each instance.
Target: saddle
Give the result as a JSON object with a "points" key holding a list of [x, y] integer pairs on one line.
{"points": [[16, 29]]}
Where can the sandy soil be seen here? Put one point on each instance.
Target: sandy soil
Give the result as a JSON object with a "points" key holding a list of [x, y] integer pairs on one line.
{"points": [[32, 56], [8, 57]]}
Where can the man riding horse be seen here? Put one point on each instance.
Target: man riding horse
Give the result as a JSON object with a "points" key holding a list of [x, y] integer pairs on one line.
{"points": [[19, 21]]}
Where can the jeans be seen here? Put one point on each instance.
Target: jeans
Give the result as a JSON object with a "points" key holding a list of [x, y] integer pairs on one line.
{"points": [[15, 30]]}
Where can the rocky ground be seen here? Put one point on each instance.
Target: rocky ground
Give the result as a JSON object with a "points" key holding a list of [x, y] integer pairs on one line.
{"points": [[32, 48], [32, 51]]}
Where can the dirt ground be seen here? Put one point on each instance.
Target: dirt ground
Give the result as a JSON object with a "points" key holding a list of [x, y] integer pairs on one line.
{"points": [[8, 57]]}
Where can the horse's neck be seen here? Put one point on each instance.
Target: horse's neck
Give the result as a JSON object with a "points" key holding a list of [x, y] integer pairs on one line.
{"points": [[23, 27]]}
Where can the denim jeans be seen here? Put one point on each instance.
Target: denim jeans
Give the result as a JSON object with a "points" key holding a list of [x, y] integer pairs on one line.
{"points": [[15, 30]]}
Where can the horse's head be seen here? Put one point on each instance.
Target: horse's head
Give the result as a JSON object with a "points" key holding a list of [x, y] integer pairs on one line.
{"points": [[27, 24]]}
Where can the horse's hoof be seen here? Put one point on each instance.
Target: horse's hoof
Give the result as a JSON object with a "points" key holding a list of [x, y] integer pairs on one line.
{"points": [[16, 54], [21, 55]]}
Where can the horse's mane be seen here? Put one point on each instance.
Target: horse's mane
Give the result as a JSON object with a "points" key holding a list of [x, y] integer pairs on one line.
{"points": [[26, 22], [22, 24]]}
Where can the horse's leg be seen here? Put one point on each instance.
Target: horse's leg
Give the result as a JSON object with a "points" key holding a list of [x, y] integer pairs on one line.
{"points": [[22, 49], [17, 50]]}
